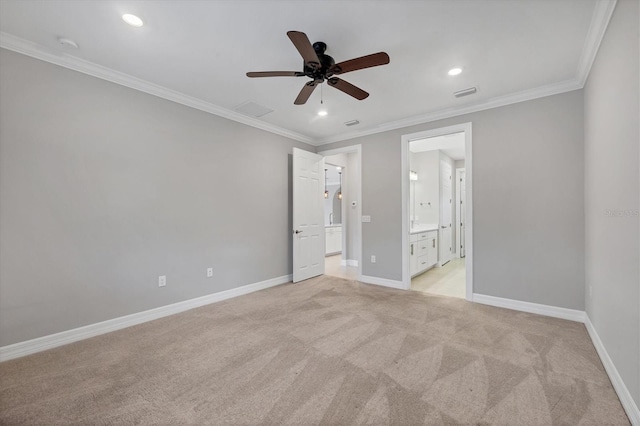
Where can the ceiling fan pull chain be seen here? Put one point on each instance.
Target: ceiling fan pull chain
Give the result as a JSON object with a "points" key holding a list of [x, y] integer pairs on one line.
{"points": [[321, 95]]}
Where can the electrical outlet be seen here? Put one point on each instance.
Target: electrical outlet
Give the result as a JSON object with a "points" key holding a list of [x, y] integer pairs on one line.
{"points": [[209, 272], [373, 259], [162, 280]]}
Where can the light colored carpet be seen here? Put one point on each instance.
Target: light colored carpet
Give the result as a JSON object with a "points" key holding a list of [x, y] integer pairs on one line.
{"points": [[325, 351]]}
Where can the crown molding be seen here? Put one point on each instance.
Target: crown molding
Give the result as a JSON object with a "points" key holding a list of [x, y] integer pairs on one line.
{"points": [[525, 95], [25, 47], [597, 28], [599, 23]]}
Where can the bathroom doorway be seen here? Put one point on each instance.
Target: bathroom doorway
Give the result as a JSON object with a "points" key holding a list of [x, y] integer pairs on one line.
{"points": [[342, 212], [437, 248]]}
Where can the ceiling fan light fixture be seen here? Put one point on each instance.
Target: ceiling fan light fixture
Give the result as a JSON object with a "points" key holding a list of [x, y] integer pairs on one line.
{"points": [[132, 20], [455, 71]]}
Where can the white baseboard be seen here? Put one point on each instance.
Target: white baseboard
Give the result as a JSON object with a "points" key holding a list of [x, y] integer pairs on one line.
{"points": [[624, 395], [349, 262], [39, 344], [382, 281], [533, 308]]}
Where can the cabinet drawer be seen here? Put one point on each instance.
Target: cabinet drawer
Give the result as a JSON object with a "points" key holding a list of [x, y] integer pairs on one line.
{"points": [[423, 262], [422, 247], [422, 236]]}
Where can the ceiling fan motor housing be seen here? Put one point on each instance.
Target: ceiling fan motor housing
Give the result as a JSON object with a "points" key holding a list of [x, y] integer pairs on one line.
{"points": [[326, 62]]}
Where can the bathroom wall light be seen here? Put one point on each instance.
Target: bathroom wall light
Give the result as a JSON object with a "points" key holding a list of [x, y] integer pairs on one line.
{"points": [[326, 191], [340, 189], [413, 175]]}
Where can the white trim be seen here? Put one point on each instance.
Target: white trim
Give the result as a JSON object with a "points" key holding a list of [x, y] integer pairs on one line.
{"points": [[405, 139], [382, 282], [357, 149], [599, 23], [349, 262], [621, 389], [34, 50], [525, 95], [51, 341], [458, 223], [406, 211], [533, 308]]}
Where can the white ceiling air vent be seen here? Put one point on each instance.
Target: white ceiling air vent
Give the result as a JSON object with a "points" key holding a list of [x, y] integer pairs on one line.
{"points": [[465, 92], [253, 109], [351, 123]]}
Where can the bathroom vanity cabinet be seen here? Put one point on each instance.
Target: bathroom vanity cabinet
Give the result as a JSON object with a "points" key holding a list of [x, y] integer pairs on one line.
{"points": [[333, 239], [423, 251]]}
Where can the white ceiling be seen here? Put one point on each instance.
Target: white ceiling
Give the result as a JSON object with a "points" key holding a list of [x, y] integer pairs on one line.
{"points": [[452, 145], [201, 50]]}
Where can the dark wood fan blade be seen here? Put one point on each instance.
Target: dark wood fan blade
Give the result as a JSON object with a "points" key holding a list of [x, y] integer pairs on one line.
{"points": [[348, 88], [373, 60], [275, 74], [304, 94], [302, 43]]}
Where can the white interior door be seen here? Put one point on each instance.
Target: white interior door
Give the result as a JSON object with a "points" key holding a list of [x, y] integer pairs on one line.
{"points": [[308, 215], [446, 205]]}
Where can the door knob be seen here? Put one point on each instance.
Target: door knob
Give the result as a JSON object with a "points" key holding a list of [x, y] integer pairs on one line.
{"points": [[298, 232]]}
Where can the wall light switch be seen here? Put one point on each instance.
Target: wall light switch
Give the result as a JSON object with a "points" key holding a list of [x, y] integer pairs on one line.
{"points": [[209, 272], [162, 280], [373, 259], [366, 219]]}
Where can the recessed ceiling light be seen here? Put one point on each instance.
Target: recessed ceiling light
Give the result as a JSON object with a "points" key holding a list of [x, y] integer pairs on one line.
{"points": [[322, 113], [455, 71], [132, 20]]}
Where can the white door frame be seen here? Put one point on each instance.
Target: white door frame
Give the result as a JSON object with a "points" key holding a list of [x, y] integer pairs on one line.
{"points": [[405, 139], [459, 170], [357, 150]]}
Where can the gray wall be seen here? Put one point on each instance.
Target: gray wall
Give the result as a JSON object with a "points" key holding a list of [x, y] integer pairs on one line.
{"points": [[528, 200], [351, 217], [103, 189], [612, 184]]}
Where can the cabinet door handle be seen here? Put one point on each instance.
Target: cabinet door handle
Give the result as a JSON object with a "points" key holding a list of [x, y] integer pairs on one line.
{"points": [[433, 243], [411, 249]]}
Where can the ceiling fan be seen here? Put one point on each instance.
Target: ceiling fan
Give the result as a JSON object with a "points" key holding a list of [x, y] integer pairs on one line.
{"points": [[320, 67]]}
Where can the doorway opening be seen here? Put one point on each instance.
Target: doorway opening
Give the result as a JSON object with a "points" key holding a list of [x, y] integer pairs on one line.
{"points": [[343, 228], [437, 215]]}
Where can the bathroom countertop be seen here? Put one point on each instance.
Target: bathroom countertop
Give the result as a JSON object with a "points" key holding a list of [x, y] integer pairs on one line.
{"points": [[423, 228], [335, 225]]}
